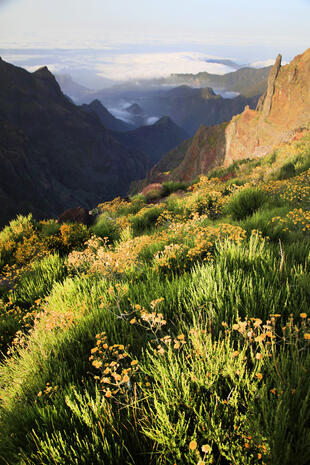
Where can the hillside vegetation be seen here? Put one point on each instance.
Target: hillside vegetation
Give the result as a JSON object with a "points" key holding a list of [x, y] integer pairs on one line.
{"points": [[172, 331]]}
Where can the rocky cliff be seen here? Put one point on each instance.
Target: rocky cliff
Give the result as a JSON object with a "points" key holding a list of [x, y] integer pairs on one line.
{"points": [[283, 110]]}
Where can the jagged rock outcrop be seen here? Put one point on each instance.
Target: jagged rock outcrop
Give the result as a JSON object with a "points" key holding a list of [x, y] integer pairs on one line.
{"points": [[283, 111], [264, 103]]}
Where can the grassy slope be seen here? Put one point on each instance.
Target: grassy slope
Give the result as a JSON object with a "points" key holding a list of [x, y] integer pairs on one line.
{"points": [[159, 346]]}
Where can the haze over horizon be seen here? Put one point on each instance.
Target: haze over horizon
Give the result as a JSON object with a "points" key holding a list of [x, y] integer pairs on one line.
{"points": [[102, 40]]}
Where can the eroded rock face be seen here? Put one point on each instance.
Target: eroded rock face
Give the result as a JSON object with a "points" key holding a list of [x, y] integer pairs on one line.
{"points": [[265, 101], [279, 114]]}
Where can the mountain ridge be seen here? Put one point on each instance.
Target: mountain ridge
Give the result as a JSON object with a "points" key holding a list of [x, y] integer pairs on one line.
{"points": [[53, 154]]}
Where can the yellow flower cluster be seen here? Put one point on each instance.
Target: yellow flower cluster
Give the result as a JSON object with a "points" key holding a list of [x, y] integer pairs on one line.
{"points": [[297, 219], [117, 369], [295, 190], [113, 206]]}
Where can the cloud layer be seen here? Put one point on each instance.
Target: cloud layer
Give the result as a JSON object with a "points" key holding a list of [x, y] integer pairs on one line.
{"points": [[116, 65]]}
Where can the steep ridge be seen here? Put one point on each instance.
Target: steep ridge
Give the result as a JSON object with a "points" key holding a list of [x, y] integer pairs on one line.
{"points": [[280, 113], [154, 140], [53, 154]]}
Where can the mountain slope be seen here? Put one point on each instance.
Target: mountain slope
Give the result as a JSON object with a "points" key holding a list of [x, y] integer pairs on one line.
{"points": [[54, 155], [188, 107], [70, 87], [204, 151], [154, 140]]}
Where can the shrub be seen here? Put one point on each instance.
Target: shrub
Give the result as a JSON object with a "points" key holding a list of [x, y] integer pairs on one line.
{"points": [[73, 236], [152, 187], [287, 171], [145, 219], [172, 186], [105, 226], [153, 194], [49, 227], [32, 246], [17, 228], [245, 202]]}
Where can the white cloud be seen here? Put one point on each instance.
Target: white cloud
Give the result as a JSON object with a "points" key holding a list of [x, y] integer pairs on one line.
{"points": [[263, 64], [149, 65]]}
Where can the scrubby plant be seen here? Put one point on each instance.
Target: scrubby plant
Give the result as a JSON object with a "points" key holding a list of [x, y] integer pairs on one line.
{"points": [[169, 187], [105, 226], [145, 219], [154, 194], [245, 202]]}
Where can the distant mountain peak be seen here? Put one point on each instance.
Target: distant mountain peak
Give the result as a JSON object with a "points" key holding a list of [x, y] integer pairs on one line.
{"points": [[44, 72], [164, 121], [134, 109]]}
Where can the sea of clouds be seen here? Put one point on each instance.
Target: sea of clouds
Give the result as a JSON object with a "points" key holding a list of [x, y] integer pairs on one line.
{"points": [[115, 64]]}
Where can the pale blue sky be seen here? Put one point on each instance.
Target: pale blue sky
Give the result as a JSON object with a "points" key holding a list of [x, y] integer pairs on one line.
{"points": [[245, 30]]}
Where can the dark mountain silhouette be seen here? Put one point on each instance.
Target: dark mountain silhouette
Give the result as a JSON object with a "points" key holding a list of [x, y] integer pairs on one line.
{"points": [[134, 109], [53, 154], [154, 140], [107, 119]]}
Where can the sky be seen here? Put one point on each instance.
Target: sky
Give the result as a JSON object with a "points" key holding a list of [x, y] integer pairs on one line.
{"points": [[127, 39]]}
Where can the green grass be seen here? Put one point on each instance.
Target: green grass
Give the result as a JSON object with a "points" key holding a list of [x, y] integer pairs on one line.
{"points": [[38, 282]]}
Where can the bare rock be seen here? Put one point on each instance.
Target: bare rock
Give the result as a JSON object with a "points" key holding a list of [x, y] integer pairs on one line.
{"points": [[265, 103]]}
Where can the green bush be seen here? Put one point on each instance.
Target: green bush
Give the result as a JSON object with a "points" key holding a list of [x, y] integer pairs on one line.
{"points": [[245, 202], [105, 226], [49, 228], [146, 220], [17, 228], [172, 186], [154, 194]]}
